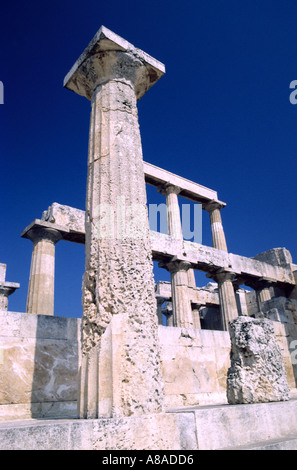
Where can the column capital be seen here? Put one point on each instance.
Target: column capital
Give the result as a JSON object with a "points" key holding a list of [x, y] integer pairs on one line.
{"points": [[176, 265], [41, 231], [169, 188], [212, 205], [223, 275], [110, 57], [8, 288]]}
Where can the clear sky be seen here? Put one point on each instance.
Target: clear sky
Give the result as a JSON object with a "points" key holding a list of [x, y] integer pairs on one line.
{"points": [[220, 116]]}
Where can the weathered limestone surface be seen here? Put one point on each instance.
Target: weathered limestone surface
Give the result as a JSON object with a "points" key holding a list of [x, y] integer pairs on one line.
{"points": [[70, 217], [257, 373], [38, 365], [151, 432], [263, 426], [120, 372], [39, 361], [276, 257], [209, 259], [194, 366]]}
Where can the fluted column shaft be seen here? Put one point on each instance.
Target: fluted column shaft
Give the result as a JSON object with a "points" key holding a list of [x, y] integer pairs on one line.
{"points": [[217, 231], [41, 289], [181, 303], [227, 298], [120, 371], [174, 226]]}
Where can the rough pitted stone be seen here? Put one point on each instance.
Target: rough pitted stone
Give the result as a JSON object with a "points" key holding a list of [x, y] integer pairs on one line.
{"points": [[72, 218], [257, 373]]}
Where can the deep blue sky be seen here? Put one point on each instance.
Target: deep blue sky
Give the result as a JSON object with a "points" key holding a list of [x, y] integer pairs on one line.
{"points": [[221, 116]]}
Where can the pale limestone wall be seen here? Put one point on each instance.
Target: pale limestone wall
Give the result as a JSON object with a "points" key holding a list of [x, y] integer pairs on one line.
{"points": [[194, 365], [39, 363]]}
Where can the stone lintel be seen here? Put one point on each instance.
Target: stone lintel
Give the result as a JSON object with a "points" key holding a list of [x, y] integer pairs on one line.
{"points": [[159, 177], [105, 43], [210, 260]]}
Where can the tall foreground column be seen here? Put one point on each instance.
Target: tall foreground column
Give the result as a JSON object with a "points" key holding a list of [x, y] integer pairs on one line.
{"points": [[120, 370]]}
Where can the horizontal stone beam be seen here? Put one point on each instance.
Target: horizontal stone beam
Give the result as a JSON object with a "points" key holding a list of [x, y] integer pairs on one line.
{"points": [[197, 295], [70, 223], [210, 260], [195, 192]]}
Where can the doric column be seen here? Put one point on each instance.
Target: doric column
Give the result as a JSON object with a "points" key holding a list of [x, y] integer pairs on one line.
{"points": [[181, 303], [174, 225], [6, 288], [217, 231], [227, 298], [120, 371], [41, 289], [262, 292]]}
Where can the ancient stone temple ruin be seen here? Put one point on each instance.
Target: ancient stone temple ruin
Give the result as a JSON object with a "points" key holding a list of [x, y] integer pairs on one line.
{"points": [[166, 365]]}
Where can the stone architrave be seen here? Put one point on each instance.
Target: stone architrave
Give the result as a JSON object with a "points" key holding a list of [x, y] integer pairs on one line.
{"points": [[120, 368], [41, 290], [257, 373]]}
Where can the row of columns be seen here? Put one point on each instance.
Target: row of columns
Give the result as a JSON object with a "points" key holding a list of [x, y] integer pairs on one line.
{"points": [[40, 297], [182, 274]]}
